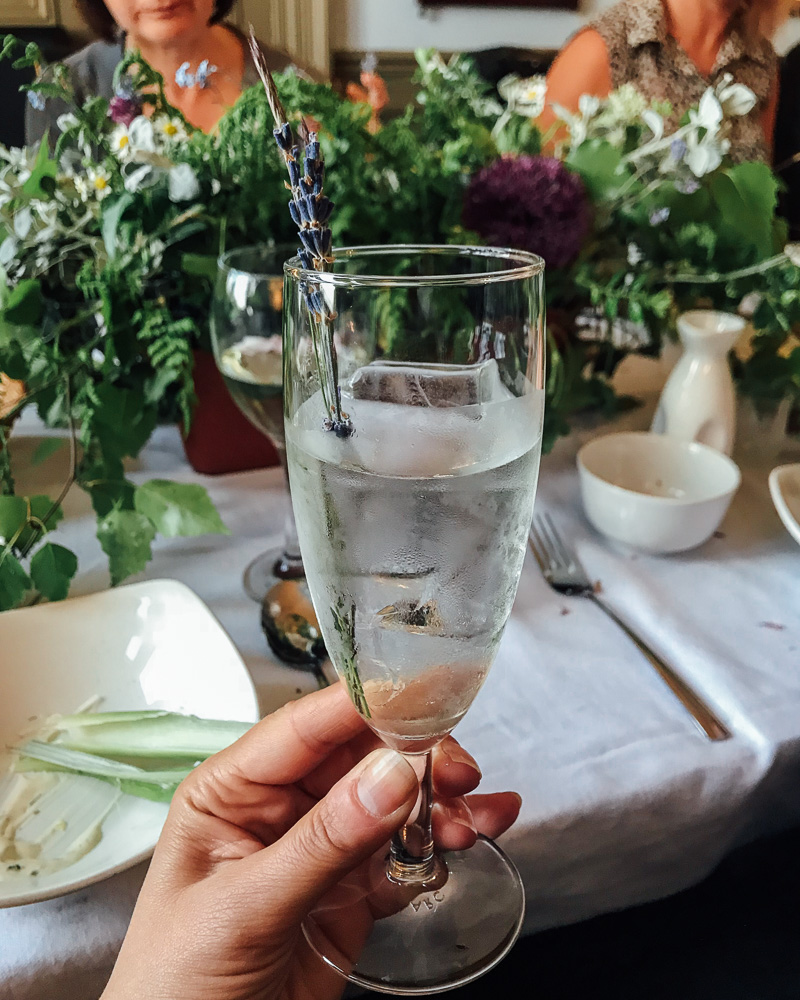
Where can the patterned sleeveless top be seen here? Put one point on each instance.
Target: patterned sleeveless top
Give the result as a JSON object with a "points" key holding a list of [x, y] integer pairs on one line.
{"points": [[643, 53]]}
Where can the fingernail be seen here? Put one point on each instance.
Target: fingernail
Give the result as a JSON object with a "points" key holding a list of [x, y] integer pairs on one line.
{"points": [[459, 812], [459, 755], [386, 782]]}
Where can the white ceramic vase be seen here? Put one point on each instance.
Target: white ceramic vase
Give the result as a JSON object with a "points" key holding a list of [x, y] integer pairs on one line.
{"points": [[698, 402]]}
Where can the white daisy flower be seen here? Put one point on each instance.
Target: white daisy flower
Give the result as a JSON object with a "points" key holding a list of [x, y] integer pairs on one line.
{"points": [[120, 142], [95, 184], [170, 129]]}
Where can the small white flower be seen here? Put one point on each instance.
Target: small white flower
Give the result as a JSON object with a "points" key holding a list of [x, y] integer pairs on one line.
{"points": [[141, 135], [120, 142], [524, 95], [8, 250], [183, 183], [99, 182], [709, 112], [216, 186], [23, 220], [66, 121], [169, 129], [792, 251], [635, 255], [749, 304], [588, 105], [654, 122], [140, 177], [704, 155], [735, 98]]}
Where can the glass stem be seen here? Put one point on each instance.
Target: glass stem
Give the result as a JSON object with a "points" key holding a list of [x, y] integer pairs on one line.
{"points": [[290, 564], [411, 858]]}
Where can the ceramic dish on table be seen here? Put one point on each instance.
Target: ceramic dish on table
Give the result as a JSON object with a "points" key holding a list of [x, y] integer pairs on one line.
{"points": [[654, 492], [148, 645], [784, 488]]}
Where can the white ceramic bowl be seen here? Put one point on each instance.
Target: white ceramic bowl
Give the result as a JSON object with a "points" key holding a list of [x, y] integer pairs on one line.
{"points": [[654, 492]]}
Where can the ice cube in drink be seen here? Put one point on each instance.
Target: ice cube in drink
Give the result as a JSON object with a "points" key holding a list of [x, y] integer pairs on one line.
{"points": [[413, 532]]}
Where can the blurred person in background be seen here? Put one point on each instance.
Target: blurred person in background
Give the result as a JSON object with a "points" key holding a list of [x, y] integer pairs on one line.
{"points": [[205, 63], [672, 50]]}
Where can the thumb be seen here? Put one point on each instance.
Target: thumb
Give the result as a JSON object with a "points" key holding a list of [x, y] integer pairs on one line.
{"points": [[355, 818]]}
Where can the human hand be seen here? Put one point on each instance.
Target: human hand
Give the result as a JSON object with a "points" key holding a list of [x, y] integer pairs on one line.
{"points": [[260, 832]]}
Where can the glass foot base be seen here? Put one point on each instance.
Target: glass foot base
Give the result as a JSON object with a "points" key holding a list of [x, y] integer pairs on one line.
{"points": [[260, 575], [397, 939]]}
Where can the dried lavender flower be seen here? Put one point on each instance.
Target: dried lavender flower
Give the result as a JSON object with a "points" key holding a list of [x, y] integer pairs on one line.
{"points": [[311, 210]]}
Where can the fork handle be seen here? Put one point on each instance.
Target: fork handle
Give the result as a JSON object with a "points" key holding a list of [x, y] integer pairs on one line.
{"points": [[704, 718]]}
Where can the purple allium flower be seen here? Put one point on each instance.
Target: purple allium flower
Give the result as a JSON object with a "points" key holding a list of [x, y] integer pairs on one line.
{"points": [[531, 203], [659, 215]]}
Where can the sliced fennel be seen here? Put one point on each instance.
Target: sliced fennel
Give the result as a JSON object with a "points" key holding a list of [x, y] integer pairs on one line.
{"points": [[156, 785], [165, 747], [157, 737]]}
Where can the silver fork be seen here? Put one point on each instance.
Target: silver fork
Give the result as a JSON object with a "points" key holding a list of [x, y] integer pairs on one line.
{"points": [[562, 569]]}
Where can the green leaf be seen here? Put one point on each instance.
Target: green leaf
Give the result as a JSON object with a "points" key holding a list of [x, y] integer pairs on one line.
{"points": [[111, 494], [200, 265], [14, 581], [112, 216], [122, 421], [44, 168], [125, 536], [746, 196], [23, 307], [46, 447], [178, 508], [596, 162], [13, 511], [52, 569]]}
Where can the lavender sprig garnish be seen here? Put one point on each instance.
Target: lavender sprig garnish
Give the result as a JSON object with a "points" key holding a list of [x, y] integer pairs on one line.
{"points": [[311, 210]]}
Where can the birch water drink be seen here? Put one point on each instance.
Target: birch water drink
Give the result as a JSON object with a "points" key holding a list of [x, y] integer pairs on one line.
{"points": [[413, 531]]}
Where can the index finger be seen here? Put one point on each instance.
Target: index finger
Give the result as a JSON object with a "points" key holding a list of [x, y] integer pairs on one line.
{"points": [[285, 746]]}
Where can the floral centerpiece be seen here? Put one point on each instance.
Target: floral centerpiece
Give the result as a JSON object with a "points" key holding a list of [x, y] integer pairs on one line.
{"points": [[109, 241], [675, 224]]}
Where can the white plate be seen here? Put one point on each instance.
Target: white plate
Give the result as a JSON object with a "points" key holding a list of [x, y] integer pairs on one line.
{"points": [[148, 645], [784, 486]]}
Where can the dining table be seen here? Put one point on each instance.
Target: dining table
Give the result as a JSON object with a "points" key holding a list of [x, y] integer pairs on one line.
{"points": [[624, 800]]}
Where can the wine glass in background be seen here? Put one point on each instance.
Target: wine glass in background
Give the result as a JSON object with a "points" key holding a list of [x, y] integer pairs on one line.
{"points": [[246, 319], [413, 520]]}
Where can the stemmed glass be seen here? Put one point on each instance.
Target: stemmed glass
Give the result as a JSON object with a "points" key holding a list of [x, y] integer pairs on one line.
{"points": [[246, 319], [413, 501]]}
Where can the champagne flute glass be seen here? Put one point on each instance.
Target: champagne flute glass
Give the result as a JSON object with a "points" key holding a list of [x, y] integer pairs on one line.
{"points": [[413, 500], [246, 317]]}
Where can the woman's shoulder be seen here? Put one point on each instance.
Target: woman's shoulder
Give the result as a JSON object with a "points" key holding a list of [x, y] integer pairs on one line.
{"points": [[92, 68]]}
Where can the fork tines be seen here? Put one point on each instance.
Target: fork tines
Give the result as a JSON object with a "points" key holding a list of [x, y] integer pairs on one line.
{"points": [[548, 547]]}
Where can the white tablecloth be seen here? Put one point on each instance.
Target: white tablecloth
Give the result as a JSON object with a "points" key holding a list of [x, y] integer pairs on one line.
{"points": [[623, 800]]}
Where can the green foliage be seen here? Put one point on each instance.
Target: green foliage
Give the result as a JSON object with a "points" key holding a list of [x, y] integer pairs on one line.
{"points": [[52, 570], [110, 256], [126, 537], [178, 508]]}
